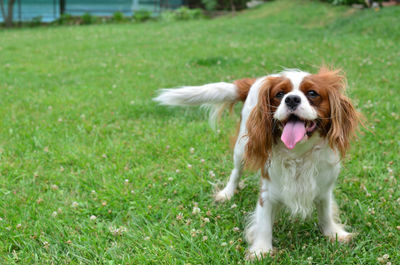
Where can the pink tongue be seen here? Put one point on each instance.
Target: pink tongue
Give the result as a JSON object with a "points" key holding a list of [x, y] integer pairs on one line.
{"points": [[292, 133]]}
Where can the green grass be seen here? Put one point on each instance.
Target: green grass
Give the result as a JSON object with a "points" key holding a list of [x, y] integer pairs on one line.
{"points": [[80, 136]]}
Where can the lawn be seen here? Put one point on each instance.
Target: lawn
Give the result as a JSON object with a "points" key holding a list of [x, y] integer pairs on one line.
{"points": [[93, 171]]}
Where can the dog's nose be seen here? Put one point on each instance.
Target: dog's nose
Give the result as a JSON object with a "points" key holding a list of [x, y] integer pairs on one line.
{"points": [[292, 101]]}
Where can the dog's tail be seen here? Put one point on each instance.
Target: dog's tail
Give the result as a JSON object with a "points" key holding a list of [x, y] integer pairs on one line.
{"points": [[215, 96]]}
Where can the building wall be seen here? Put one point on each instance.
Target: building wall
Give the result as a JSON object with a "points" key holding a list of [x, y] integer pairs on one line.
{"points": [[49, 10]]}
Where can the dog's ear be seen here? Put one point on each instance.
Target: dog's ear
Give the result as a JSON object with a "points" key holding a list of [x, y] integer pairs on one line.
{"points": [[260, 129], [244, 86], [344, 117]]}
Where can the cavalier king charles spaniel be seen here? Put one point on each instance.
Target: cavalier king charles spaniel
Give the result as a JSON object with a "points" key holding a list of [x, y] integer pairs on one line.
{"points": [[294, 129]]}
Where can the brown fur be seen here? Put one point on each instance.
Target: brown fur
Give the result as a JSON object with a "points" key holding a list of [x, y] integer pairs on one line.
{"points": [[339, 119], [244, 87], [261, 129], [233, 138], [260, 200]]}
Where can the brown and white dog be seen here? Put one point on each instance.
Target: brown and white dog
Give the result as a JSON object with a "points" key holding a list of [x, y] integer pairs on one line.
{"points": [[295, 127]]}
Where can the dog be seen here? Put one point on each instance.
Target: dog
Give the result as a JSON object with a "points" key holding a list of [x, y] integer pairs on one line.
{"points": [[295, 128]]}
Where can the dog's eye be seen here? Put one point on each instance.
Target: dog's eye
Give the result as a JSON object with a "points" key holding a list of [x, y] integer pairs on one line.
{"points": [[280, 94], [312, 94]]}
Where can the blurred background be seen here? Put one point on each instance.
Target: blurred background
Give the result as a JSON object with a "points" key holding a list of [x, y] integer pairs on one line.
{"points": [[51, 10]]}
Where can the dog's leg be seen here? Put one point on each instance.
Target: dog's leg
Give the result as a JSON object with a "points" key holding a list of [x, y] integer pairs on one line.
{"points": [[327, 216], [230, 188], [259, 231]]}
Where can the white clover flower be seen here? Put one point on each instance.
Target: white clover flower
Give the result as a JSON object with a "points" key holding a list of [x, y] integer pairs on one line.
{"points": [[196, 210], [179, 216]]}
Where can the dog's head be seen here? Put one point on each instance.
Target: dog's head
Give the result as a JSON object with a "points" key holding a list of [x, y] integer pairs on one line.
{"points": [[295, 105]]}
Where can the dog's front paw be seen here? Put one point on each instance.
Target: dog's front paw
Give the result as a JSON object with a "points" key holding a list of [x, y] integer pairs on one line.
{"points": [[342, 237], [224, 195], [339, 235], [258, 252]]}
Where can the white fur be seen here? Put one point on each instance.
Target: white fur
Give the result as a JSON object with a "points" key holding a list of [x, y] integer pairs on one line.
{"points": [[304, 110], [215, 97], [214, 93], [299, 178]]}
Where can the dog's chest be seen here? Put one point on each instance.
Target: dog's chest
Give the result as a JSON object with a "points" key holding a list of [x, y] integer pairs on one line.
{"points": [[298, 179]]}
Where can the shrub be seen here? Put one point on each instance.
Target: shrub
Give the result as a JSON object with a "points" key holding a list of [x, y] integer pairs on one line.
{"points": [[167, 16], [118, 17], [346, 2], [227, 5], [182, 13], [219, 4], [209, 4], [36, 21], [65, 19], [88, 19], [141, 15]]}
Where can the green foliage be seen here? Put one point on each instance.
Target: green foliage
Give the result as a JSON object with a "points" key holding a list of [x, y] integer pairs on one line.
{"points": [[182, 13], [81, 137], [36, 21], [88, 19], [141, 15], [226, 4], [346, 2], [185, 13], [65, 19], [219, 4], [209, 4], [118, 17]]}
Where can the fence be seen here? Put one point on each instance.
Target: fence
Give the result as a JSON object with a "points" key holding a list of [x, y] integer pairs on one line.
{"points": [[49, 10]]}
